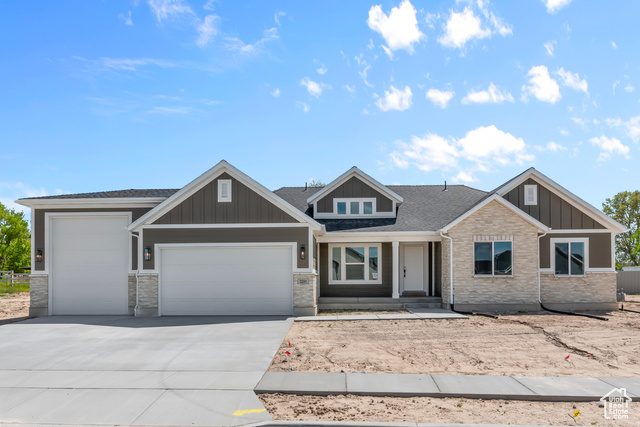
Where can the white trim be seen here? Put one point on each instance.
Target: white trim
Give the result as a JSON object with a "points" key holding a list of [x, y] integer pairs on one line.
{"points": [[209, 176], [501, 200], [433, 269], [425, 266], [580, 231], [115, 202], [160, 246], [493, 258], [613, 251], [221, 185], [33, 241], [395, 270], [229, 225], [343, 265], [531, 189], [48, 244], [563, 193], [379, 237], [552, 261], [354, 171]]}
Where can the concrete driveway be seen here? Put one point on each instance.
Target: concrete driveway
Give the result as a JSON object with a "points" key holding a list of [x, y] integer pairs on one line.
{"points": [[130, 371]]}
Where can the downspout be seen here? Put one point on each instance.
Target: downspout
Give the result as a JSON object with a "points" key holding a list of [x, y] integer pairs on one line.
{"points": [[539, 285], [135, 309]]}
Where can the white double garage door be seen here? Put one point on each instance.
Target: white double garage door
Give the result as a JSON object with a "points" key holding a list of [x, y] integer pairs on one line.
{"points": [[90, 266]]}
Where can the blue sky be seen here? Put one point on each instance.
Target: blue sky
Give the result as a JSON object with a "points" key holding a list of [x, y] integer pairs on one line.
{"points": [[103, 95]]}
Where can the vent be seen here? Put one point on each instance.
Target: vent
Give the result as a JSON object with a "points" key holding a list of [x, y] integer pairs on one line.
{"points": [[224, 190], [530, 194]]}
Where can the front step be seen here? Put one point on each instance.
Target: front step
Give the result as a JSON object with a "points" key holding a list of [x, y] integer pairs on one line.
{"points": [[409, 306], [380, 303]]}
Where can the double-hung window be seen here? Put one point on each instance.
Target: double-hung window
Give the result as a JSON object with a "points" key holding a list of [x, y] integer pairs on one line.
{"points": [[354, 264], [355, 207], [569, 256], [493, 258]]}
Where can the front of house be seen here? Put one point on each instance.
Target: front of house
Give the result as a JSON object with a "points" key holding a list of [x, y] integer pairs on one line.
{"points": [[226, 245]]}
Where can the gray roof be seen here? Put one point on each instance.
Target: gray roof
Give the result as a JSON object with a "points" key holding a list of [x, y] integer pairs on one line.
{"points": [[131, 193], [425, 208]]}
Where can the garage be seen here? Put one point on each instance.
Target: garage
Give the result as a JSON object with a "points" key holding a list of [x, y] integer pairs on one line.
{"points": [[89, 264], [226, 280]]}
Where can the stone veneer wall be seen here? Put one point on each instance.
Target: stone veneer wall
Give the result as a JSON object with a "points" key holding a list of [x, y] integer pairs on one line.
{"points": [[591, 291], [148, 295], [305, 294], [446, 285], [39, 295], [518, 292], [132, 292]]}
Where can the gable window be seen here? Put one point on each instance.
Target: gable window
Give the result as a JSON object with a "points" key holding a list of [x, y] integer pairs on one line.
{"points": [[530, 194], [493, 258], [224, 190], [569, 257], [361, 207], [354, 264]]}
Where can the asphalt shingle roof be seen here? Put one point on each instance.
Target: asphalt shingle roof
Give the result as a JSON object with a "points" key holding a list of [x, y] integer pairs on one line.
{"points": [[131, 193], [425, 208]]}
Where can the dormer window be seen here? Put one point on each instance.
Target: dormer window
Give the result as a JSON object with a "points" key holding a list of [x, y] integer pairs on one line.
{"points": [[359, 207]]}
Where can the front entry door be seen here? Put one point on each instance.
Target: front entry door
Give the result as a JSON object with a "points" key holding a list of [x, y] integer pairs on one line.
{"points": [[413, 269]]}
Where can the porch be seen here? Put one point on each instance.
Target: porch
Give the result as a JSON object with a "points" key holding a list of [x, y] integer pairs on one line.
{"points": [[377, 303]]}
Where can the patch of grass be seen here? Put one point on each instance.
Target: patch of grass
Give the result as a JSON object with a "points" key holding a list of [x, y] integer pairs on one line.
{"points": [[6, 288]]}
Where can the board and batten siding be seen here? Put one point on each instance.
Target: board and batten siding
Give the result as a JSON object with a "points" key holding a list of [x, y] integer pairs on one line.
{"points": [[39, 231], [383, 289], [599, 248], [354, 187], [552, 210], [298, 235], [246, 206]]}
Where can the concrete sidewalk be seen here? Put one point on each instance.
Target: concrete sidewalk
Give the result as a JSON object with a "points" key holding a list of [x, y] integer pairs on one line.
{"points": [[415, 313], [552, 389]]}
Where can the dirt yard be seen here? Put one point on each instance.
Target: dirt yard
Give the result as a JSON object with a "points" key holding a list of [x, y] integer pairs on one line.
{"points": [[13, 306], [519, 344], [431, 410]]}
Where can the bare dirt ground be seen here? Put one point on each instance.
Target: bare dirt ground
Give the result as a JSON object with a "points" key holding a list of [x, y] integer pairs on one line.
{"points": [[14, 306], [431, 410], [517, 344]]}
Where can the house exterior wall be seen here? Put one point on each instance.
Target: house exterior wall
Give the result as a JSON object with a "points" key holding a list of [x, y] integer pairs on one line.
{"points": [[383, 289], [551, 210], [39, 295], [593, 291], [354, 187], [517, 292], [246, 207], [599, 248], [305, 294]]}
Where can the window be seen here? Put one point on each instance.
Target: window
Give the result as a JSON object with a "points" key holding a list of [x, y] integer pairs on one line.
{"points": [[354, 264], [530, 194], [361, 207], [569, 257], [224, 190], [493, 258]]}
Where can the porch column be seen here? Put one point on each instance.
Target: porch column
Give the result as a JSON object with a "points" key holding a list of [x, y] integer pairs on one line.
{"points": [[395, 269]]}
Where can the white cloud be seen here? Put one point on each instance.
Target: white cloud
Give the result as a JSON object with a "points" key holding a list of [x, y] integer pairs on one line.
{"points": [[128, 64], [550, 46], [303, 106], [322, 70], [632, 126], [462, 27], [555, 5], [573, 81], [541, 85], [387, 51], [481, 149], [314, 88], [564, 132], [609, 146], [207, 30], [552, 146], [440, 98], [629, 88], [169, 9], [399, 29], [395, 99], [209, 5], [127, 19], [614, 45], [616, 83], [277, 16], [171, 110], [350, 89], [234, 44], [275, 93], [578, 121], [492, 95]]}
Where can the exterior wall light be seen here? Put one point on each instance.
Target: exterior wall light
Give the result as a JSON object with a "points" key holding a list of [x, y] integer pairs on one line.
{"points": [[303, 253], [39, 255], [147, 254]]}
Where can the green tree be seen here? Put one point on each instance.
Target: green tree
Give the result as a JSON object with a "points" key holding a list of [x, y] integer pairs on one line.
{"points": [[624, 207], [15, 240], [315, 183]]}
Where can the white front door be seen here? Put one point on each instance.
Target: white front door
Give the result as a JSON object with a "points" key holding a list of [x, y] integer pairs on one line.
{"points": [[414, 268]]}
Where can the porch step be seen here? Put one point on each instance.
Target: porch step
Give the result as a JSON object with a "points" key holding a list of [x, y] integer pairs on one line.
{"points": [[409, 306], [380, 303]]}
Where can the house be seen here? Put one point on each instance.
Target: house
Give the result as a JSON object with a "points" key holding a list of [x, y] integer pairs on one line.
{"points": [[226, 245]]}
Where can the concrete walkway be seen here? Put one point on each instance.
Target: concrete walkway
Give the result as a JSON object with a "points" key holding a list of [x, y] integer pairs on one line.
{"points": [[556, 389], [416, 313]]}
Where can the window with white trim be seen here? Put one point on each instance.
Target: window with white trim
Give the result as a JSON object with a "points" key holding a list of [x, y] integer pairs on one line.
{"points": [[224, 190], [354, 264], [569, 257], [494, 258], [354, 207], [530, 194]]}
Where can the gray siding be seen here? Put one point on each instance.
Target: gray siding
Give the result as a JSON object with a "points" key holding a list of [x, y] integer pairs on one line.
{"points": [[383, 289], [354, 188], [246, 206], [599, 248], [629, 282], [551, 210], [299, 235], [38, 229]]}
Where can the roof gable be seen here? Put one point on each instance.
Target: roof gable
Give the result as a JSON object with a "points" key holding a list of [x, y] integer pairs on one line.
{"points": [[355, 172], [166, 207]]}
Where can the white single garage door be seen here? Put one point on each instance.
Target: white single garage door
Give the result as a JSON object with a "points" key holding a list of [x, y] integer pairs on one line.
{"points": [[224, 281], [89, 264]]}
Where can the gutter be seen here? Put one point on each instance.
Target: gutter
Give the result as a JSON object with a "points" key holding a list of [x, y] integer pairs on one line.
{"points": [[539, 284]]}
